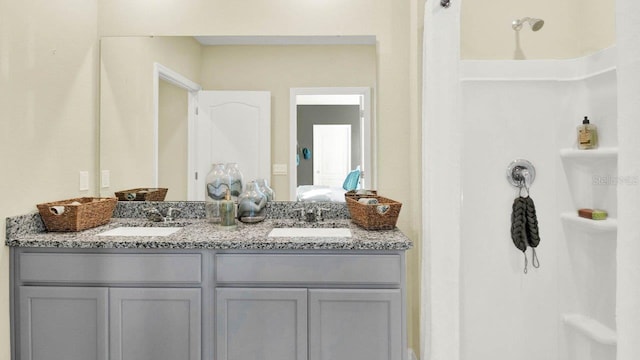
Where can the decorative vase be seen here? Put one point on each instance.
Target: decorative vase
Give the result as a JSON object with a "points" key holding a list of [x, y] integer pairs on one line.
{"points": [[235, 180], [264, 187], [217, 184], [252, 204]]}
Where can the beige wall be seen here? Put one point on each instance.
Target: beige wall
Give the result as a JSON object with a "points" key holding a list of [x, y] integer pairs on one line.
{"points": [[572, 28], [172, 140], [48, 92], [126, 102], [278, 69], [596, 25]]}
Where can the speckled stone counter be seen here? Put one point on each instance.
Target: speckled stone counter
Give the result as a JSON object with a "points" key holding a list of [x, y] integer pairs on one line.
{"points": [[197, 233]]}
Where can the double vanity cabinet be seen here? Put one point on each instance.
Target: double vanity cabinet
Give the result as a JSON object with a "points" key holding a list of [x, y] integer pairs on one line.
{"points": [[208, 301]]}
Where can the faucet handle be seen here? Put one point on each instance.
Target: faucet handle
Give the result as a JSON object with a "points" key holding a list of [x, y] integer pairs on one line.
{"points": [[172, 212], [319, 211], [153, 214], [301, 212]]}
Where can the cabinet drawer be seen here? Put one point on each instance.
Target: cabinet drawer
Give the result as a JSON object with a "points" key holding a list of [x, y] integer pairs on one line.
{"points": [[110, 268], [309, 269]]}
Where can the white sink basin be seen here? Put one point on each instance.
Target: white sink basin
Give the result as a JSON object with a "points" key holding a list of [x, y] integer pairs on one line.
{"points": [[310, 232], [140, 231]]}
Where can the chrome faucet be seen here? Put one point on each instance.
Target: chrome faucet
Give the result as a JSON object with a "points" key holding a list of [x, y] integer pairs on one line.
{"points": [[301, 213], [319, 211], [310, 214], [154, 214], [171, 214]]}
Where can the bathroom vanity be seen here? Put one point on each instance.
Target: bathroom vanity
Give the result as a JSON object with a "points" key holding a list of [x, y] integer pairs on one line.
{"points": [[203, 293]]}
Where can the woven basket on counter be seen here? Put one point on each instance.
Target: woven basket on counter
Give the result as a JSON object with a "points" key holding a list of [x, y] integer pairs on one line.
{"points": [[380, 216], [142, 194], [77, 214]]}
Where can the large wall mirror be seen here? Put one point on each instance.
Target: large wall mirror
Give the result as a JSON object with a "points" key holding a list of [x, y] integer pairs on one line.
{"points": [[149, 85]]}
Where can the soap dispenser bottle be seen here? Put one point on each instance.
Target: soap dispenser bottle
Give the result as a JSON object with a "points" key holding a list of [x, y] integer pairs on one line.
{"points": [[227, 212], [587, 135]]}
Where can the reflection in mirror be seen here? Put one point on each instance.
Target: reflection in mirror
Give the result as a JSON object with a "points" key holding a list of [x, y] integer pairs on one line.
{"points": [[333, 141], [139, 153], [172, 139]]}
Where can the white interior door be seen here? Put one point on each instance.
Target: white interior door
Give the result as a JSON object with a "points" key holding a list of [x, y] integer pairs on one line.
{"points": [[331, 154], [232, 127]]}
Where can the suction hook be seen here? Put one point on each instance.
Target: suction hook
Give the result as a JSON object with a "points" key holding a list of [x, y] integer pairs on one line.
{"points": [[521, 173], [445, 3]]}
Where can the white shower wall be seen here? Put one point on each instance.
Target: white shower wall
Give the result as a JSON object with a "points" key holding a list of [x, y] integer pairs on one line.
{"points": [[529, 110]]}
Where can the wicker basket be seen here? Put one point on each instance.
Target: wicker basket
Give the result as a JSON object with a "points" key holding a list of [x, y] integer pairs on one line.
{"points": [[380, 216], [354, 194], [142, 194], [76, 214]]}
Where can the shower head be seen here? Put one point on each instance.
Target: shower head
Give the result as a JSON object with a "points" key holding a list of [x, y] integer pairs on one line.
{"points": [[536, 24]]}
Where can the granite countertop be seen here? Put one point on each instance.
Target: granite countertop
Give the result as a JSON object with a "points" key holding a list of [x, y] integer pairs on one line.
{"points": [[198, 233]]}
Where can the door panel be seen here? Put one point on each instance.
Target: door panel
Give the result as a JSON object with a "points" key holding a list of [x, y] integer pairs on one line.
{"points": [[63, 323], [331, 154], [355, 324], [265, 324], [233, 127], [155, 324]]}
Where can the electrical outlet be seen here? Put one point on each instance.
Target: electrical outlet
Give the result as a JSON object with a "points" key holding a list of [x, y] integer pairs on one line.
{"points": [[84, 180], [105, 178], [279, 169]]}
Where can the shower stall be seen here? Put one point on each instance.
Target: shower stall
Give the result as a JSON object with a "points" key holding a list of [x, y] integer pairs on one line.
{"points": [[530, 110], [479, 116]]}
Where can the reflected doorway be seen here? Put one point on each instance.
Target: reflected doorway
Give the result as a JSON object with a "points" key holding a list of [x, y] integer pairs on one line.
{"points": [[173, 137], [331, 154], [361, 139]]}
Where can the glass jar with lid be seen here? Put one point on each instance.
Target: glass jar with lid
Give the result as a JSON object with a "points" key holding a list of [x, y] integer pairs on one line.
{"points": [[235, 180], [216, 186], [252, 204], [264, 187]]}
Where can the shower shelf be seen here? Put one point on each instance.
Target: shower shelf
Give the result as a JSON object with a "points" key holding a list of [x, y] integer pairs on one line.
{"points": [[589, 155], [592, 328], [608, 225]]}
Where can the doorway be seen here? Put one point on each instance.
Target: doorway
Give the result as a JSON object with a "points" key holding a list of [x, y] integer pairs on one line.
{"points": [[364, 136], [163, 74], [173, 127]]}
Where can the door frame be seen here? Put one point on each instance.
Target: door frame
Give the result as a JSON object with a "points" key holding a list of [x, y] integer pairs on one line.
{"points": [[161, 72], [368, 134]]}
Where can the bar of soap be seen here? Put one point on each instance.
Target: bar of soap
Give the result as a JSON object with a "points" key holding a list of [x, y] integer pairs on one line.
{"points": [[593, 214]]}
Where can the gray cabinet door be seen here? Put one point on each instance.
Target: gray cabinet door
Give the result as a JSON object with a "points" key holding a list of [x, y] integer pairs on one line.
{"points": [[63, 323], [261, 324], [355, 324], [155, 324]]}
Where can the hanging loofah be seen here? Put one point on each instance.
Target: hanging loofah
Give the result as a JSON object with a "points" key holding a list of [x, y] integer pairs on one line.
{"points": [[519, 224], [524, 228], [519, 227], [533, 236]]}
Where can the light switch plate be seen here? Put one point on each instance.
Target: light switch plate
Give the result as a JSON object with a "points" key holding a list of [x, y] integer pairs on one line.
{"points": [[84, 180], [279, 169], [105, 178]]}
